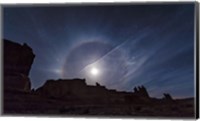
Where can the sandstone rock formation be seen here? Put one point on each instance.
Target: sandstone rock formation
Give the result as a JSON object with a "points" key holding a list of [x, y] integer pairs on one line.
{"points": [[17, 64], [140, 95], [73, 89], [62, 88], [167, 97], [77, 89], [141, 91]]}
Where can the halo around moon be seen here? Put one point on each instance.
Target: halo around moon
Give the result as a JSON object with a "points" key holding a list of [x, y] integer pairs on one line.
{"points": [[83, 55], [96, 61]]}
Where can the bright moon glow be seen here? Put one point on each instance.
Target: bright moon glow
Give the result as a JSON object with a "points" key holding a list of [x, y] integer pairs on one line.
{"points": [[94, 71]]}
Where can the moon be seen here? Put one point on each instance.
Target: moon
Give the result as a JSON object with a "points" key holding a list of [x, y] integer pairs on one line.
{"points": [[94, 71], [96, 61]]}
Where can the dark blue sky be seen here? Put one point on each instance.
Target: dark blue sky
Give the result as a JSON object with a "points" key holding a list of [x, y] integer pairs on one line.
{"points": [[130, 45]]}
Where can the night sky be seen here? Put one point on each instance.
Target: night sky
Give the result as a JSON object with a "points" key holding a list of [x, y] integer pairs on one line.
{"points": [[127, 45]]}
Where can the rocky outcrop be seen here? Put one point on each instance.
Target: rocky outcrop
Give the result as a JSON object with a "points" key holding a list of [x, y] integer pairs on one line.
{"points": [[141, 91], [62, 88], [17, 63], [17, 81], [72, 89], [140, 95], [77, 89], [167, 97]]}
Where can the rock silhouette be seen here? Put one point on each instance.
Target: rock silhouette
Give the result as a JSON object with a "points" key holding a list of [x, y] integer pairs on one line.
{"points": [[74, 96], [17, 64], [78, 89], [167, 97], [141, 91]]}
